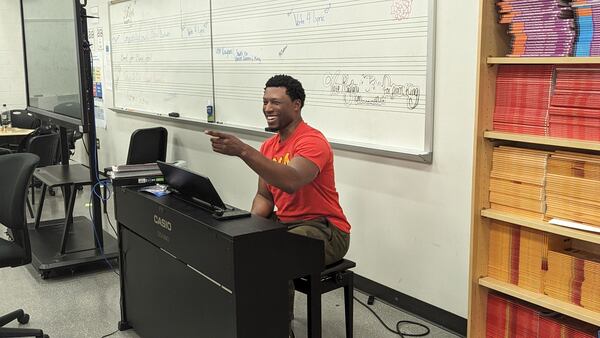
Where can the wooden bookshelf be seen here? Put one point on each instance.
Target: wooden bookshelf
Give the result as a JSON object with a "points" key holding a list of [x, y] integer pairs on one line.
{"points": [[541, 225], [493, 44], [549, 303], [493, 60], [543, 140]]}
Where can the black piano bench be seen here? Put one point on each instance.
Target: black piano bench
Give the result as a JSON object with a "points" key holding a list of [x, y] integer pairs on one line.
{"points": [[335, 276]]}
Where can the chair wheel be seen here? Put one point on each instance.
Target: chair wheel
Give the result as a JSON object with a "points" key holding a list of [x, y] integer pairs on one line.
{"points": [[24, 319]]}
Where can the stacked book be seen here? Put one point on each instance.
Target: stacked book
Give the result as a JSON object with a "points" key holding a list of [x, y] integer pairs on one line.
{"points": [[572, 188], [538, 28], [574, 276], [566, 327], [517, 255], [135, 173], [575, 104], [506, 318], [512, 318], [587, 18], [522, 98], [517, 181]]}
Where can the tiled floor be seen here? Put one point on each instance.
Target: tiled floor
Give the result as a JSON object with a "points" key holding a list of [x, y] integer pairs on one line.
{"points": [[85, 303]]}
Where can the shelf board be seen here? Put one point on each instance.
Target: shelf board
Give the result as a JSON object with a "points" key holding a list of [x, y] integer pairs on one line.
{"points": [[542, 300], [495, 60], [541, 225], [544, 140]]}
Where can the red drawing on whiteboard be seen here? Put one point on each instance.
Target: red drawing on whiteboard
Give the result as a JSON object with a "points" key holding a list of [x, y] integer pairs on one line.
{"points": [[401, 9]]}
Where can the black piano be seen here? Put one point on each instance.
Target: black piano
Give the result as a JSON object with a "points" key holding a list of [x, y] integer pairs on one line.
{"points": [[186, 274]]}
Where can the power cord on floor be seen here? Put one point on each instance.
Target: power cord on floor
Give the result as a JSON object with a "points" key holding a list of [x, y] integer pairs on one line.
{"points": [[110, 334], [399, 324]]}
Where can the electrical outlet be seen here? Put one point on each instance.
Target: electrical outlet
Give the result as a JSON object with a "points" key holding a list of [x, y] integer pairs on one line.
{"points": [[97, 143]]}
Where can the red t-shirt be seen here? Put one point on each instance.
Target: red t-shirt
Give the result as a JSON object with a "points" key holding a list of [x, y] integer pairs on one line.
{"points": [[318, 198]]}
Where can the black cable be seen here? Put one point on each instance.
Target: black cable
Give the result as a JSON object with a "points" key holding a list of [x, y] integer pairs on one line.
{"points": [[108, 217], [110, 334], [96, 233], [398, 324]]}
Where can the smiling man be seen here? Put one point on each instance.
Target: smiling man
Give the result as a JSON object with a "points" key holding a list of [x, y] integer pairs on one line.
{"points": [[296, 184]]}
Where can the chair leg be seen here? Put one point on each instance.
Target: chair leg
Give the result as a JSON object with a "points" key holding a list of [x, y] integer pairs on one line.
{"points": [[32, 191], [29, 207], [18, 332], [9, 317], [349, 304], [23, 318], [40, 206]]}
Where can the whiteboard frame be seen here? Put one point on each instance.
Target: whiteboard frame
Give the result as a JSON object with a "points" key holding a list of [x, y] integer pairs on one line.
{"points": [[369, 149], [416, 155]]}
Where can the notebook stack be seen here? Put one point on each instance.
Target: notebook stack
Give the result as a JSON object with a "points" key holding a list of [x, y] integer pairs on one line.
{"points": [[565, 327], [575, 103], [574, 276], [572, 188], [538, 28], [511, 318], [517, 255], [522, 98], [517, 181], [587, 22], [132, 174]]}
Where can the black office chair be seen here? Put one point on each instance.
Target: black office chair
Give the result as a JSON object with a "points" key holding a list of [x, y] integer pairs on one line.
{"points": [[23, 119], [45, 147], [335, 276], [15, 173], [147, 146]]}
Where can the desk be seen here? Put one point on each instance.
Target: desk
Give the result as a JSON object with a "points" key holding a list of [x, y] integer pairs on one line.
{"points": [[7, 132], [70, 241], [13, 135], [186, 274]]}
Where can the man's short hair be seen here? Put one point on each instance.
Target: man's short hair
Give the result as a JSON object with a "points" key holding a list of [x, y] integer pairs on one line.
{"points": [[292, 86]]}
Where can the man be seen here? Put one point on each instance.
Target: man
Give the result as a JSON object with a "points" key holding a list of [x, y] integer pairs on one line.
{"points": [[295, 169]]}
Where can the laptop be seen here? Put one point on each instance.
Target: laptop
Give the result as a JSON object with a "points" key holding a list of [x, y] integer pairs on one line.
{"points": [[199, 190]]}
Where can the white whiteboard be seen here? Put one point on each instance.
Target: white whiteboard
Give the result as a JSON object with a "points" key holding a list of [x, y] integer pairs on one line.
{"points": [[161, 55], [366, 65]]}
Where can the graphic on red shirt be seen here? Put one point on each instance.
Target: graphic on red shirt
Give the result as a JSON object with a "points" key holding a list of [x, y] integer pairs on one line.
{"points": [[318, 198], [285, 159]]}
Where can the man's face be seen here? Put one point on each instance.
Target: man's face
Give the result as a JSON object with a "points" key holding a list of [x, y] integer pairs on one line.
{"points": [[279, 109]]}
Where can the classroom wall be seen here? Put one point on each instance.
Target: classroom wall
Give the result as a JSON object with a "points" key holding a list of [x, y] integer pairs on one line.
{"points": [[410, 221], [12, 78]]}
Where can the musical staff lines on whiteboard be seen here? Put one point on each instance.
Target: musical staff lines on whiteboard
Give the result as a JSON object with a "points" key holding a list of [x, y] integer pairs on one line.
{"points": [[364, 63]]}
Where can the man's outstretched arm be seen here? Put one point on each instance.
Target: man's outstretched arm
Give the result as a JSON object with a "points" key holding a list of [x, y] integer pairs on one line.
{"points": [[289, 178]]}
